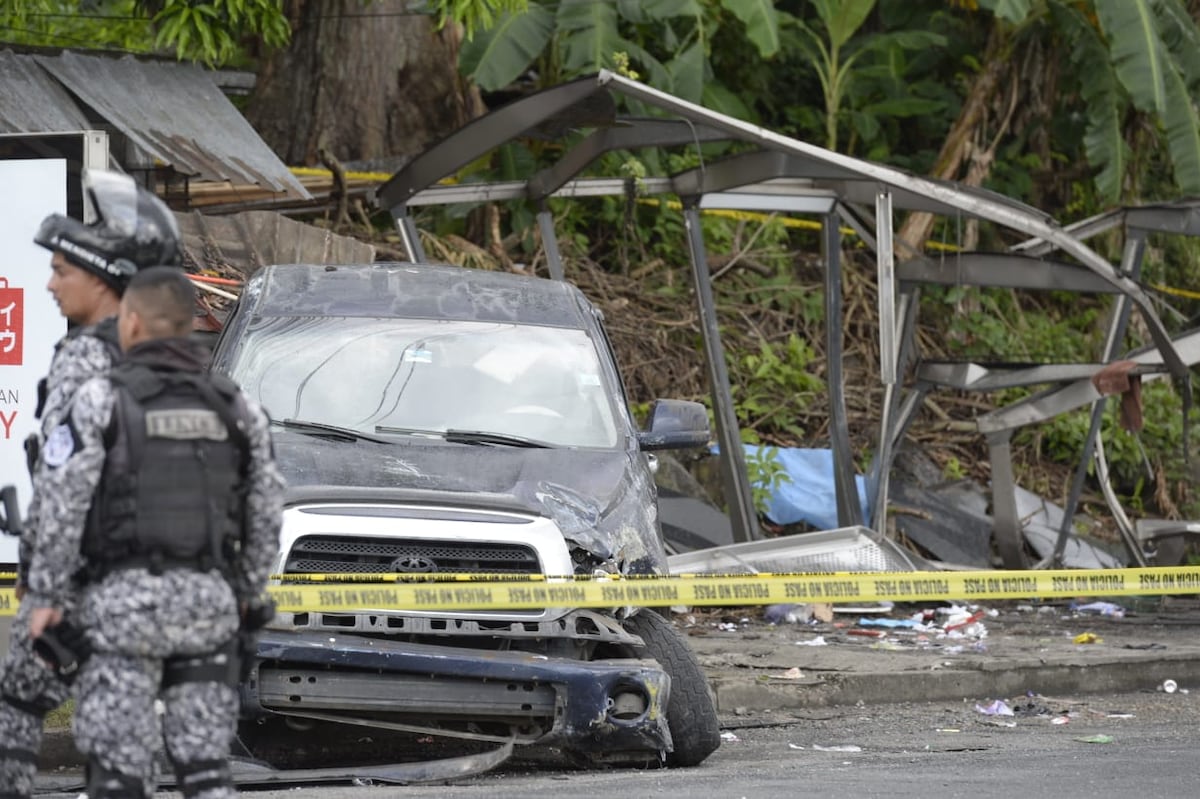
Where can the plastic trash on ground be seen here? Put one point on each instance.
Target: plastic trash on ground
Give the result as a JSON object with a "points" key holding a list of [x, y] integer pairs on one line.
{"points": [[1110, 609], [997, 708]]}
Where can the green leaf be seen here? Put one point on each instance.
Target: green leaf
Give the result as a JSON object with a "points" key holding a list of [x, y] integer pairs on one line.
{"points": [[724, 101], [665, 9], [631, 10], [1015, 11], [495, 57], [761, 21], [1101, 92], [590, 36], [1182, 38], [905, 40], [655, 73], [904, 107], [1136, 50], [687, 73], [514, 160], [1183, 133], [843, 18]]}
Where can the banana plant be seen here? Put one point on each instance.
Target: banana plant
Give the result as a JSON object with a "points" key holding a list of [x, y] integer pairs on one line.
{"points": [[835, 47], [1141, 55], [665, 42]]}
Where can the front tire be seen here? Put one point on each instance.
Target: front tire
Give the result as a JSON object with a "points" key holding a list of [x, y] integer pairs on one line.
{"points": [[691, 709]]}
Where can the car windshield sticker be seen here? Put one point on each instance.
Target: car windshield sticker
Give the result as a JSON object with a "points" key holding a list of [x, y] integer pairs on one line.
{"points": [[589, 380], [418, 356], [59, 446]]}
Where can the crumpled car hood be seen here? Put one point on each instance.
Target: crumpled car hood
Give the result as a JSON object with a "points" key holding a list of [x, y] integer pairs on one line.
{"points": [[594, 496]]}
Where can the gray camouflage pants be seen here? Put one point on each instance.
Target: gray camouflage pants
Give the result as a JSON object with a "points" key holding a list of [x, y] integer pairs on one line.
{"points": [[28, 681], [116, 723]]}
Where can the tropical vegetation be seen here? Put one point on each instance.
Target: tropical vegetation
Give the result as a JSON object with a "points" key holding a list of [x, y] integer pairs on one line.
{"points": [[1073, 106]]}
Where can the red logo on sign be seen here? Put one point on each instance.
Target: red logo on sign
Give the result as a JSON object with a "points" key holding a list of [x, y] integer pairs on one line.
{"points": [[12, 327]]}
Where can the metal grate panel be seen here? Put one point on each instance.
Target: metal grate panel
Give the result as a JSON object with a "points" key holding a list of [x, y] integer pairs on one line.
{"points": [[333, 553]]}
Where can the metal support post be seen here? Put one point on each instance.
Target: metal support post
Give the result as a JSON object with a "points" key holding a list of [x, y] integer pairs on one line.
{"points": [[849, 507], [738, 496]]}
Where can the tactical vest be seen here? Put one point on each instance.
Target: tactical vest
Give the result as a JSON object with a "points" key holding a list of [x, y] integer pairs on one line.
{"points": [[171, 493], [105, 331]]}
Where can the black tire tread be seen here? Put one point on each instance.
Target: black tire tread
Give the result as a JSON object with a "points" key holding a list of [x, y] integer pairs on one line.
{"points": [[691, 710]]}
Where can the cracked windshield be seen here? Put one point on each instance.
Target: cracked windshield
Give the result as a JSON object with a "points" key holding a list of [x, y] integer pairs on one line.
{"points": [[424, 377]]}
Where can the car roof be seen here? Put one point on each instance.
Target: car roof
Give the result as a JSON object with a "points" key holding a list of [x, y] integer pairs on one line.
{"points": [[426, 291]]}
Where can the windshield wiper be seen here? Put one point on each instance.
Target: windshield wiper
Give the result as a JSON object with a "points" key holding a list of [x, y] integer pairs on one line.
{"points": [[477, 437], [409, 431], [319, 428], [485, 438]]}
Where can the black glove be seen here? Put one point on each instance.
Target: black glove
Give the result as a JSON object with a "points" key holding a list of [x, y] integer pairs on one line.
{"points": [[65, 648], [10, 511], [32, 450]]}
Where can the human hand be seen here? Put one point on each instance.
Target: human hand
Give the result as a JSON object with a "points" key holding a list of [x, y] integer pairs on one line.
{"points": [[43, 618]]}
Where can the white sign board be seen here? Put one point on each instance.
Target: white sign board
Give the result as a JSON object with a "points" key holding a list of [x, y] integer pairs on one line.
{"points": [[30, 322]]}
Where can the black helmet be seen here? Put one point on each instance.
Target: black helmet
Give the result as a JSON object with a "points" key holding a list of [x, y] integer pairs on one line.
{"points": [[132, 230]]}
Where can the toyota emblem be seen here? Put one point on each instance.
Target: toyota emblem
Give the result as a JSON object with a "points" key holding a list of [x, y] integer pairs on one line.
{"points": [[414, 564]]}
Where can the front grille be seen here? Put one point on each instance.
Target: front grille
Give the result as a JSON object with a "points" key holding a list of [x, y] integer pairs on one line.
{"points": [[326, 554]]}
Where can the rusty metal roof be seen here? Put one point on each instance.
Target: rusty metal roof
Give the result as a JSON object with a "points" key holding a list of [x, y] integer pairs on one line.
{"points": [[174, 112], [31, 100]]}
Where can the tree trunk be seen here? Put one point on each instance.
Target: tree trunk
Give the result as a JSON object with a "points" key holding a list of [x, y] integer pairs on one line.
{"points": [[362, 81], [964, 133]]}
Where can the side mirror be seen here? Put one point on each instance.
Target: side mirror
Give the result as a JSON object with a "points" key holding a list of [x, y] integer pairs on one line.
{"points": [[675, 424]]}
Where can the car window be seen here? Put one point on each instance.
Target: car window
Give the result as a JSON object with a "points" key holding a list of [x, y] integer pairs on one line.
{"points": [[534, 382]]}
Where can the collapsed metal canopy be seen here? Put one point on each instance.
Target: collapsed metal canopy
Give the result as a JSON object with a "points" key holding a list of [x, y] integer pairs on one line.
{"points": [[775, 173], [174, 113]]}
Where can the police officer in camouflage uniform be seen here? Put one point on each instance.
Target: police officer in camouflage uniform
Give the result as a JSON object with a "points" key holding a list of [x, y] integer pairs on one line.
{"points": [[178, 542], [91, 264]]}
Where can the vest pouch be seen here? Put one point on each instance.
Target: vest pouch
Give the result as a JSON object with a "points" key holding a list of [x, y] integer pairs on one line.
{"points": [[171, 477]]}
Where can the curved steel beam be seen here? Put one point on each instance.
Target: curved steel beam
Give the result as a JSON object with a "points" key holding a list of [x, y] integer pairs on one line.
{"points": [[630, 134], [982, 206], [484, 134]]}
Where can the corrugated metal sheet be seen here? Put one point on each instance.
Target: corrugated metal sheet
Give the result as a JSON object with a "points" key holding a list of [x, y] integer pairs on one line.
{"points": [[31, 100], [173, 112], [241, 243]]}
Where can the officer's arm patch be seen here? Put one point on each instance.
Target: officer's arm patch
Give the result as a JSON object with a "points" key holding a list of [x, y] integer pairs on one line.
{"points": [[59, 446]]}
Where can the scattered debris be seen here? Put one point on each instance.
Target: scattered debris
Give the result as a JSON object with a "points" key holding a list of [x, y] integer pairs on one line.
{"points": [[1101, 608], [1169, 686], [729, 737], [788, 614], [837, 748], [1096, 739], [1088, 638], [997, 708], [894, 624], [793, 673], [867, 633], [818, 641]]}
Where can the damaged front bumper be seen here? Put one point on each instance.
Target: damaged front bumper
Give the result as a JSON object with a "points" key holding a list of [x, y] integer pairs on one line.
{"points": [[606, 710]]}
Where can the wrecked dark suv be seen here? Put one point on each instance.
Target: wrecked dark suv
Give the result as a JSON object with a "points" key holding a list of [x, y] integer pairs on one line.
{"points": [[438, 420]]}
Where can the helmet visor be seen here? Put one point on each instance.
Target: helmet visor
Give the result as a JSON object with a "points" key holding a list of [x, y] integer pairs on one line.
{"points": [[114, 199]]}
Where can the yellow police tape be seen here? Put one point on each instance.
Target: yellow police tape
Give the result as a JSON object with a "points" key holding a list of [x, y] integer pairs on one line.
{"points": [[340, 593], [493, 592]]}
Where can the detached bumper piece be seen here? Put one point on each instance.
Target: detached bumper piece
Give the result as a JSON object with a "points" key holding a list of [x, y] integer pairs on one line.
{"points": [[609, 711]]}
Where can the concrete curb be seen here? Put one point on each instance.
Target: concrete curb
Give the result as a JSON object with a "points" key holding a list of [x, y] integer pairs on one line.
{"points": [[1048, 677]]}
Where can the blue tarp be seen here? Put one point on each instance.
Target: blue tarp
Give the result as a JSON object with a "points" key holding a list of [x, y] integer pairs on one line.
{"points": [[810, 496]]}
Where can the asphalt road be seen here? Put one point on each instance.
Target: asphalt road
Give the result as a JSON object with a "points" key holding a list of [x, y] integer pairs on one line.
{"points": [[896, 751]]}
